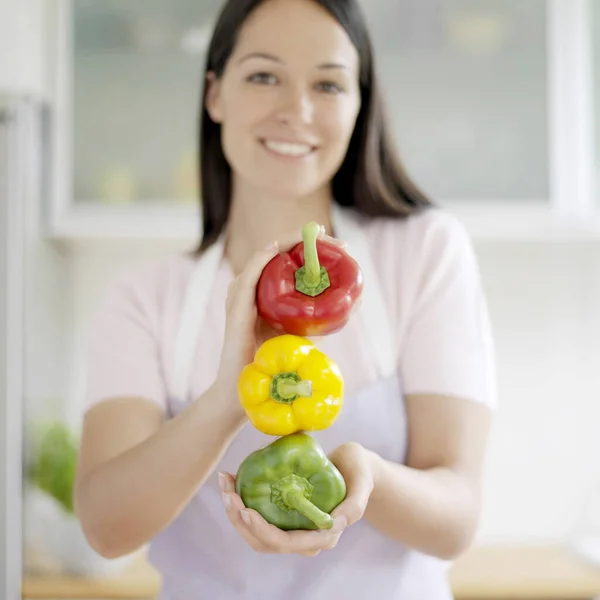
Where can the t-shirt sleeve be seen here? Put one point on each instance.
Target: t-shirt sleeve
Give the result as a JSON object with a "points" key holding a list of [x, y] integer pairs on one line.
{"points": [[123, 358], [448, 346]]}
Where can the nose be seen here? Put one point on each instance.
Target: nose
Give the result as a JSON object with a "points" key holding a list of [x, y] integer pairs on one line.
{"points": [[296, 107]]}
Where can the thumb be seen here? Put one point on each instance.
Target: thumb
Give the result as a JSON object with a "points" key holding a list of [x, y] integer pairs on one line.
{"points": [[353, 507], [352, 463]]}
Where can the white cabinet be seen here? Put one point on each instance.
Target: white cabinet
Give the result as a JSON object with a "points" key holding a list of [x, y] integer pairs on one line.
{"points": [[466, 83], [128, 87], [491, 105]]}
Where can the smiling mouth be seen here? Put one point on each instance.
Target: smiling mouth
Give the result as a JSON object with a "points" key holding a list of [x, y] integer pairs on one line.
{"points": [[292, 149]]}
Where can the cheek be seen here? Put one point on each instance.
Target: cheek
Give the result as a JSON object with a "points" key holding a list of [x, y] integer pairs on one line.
{"points": [[249, 106], [240, 118], [338, 125]]}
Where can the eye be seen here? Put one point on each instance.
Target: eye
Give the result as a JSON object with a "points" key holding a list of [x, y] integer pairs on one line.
{"points": [[330, 87], [262, 78]]}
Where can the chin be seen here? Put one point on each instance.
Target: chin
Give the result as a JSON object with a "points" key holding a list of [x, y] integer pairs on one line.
{"points": [[288, 189]]}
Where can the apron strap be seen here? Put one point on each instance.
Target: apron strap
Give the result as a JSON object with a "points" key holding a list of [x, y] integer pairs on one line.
{"points": [[194, 310], [373, 309]]}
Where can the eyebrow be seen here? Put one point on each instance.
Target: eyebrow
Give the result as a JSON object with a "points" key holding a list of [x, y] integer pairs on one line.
{"points": [[265, 56]]}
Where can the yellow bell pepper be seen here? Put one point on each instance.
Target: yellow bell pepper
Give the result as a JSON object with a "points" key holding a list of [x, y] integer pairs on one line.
{"points": [[291, 386]]}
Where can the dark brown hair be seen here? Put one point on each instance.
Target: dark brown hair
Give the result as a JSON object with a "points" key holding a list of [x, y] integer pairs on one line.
{"points": [[371, 178]]}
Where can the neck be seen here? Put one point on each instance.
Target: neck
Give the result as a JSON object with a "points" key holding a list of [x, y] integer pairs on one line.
{"points": [[256, 219]]}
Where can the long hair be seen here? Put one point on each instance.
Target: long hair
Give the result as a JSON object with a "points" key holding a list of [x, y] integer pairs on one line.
{"points": [[371, 178]]}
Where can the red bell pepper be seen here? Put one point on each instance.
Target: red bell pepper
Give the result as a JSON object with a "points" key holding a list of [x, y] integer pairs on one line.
{"points": [[310, 290]]}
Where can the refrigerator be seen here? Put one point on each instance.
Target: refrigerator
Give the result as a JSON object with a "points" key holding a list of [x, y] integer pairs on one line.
{"points": [[21, 147]]}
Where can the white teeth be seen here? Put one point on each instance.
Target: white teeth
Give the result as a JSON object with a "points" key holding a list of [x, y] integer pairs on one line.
{"points": [[288, 149]]}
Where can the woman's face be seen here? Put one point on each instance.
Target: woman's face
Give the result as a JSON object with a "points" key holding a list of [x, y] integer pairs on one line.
{"points": [[288, 98]]}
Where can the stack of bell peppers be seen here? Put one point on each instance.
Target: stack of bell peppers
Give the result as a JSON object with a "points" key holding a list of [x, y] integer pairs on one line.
{"points": [[292, 387]]}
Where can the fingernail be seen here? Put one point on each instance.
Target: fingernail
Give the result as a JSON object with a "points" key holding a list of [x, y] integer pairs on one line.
{"points": [[222, 481], [272, 246], [246, 517], [226, 499], [339, 523]]}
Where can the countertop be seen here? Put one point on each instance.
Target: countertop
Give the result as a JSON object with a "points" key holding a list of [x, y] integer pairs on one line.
{"points": [[483, 573]]}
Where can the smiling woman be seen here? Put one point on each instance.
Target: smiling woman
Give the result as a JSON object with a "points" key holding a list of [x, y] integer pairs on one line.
{"points": [[297, 79], [293, 131]]}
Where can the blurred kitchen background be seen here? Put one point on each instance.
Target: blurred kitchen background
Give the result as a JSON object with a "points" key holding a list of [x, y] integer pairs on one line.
{"points": [[493, 104]]}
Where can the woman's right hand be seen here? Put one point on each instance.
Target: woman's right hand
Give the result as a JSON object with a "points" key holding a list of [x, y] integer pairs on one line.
{"points": [[241, 338]]}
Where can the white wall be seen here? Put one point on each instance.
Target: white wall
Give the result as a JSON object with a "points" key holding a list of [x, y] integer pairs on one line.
{"points": [[544, 457], [544, 301]]}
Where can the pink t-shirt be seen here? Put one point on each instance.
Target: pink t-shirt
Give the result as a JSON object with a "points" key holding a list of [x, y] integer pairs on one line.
{"points": [[431, 284]]}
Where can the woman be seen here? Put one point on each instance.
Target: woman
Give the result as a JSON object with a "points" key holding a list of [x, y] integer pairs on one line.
{"points": [[292, 131]]}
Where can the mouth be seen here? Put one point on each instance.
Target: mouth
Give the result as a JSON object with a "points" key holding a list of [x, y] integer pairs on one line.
{"points": [[289, 149]]}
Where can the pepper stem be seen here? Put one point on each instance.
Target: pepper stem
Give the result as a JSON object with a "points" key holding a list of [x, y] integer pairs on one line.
{"points": [[286, 387], [296, 500], [293, 493], [312, 274], [311, 278]]}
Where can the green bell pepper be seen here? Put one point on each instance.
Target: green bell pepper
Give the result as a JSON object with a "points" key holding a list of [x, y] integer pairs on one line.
{"points": [[291, 483]]}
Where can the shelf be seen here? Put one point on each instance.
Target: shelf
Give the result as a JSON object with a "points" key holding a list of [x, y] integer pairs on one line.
{"points": [[164, 221], [482, 573], [523, 573], [524, 222], [136, 222]]}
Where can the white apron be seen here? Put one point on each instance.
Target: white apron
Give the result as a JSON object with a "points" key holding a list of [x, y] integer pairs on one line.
{"points": [[202, 557]]}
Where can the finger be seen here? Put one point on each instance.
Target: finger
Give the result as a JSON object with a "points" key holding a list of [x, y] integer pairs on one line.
{"points": [[340, 243], [359, 483], [226, 481], [330, 239], [240, 301], [348, 512], [233, 508], [249, 277], [298, 542]]}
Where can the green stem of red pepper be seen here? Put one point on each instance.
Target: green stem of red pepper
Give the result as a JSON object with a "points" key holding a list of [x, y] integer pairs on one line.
{"points": [[311, 278], [293, 493]]}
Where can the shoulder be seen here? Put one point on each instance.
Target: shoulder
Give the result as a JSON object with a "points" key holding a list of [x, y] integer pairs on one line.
{"points": [[148, 287], [431, 226], [431, 236], [149, 277]]}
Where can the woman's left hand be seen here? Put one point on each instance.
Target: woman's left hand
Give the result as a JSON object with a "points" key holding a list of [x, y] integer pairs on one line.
{"points": [[352, 462]]}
